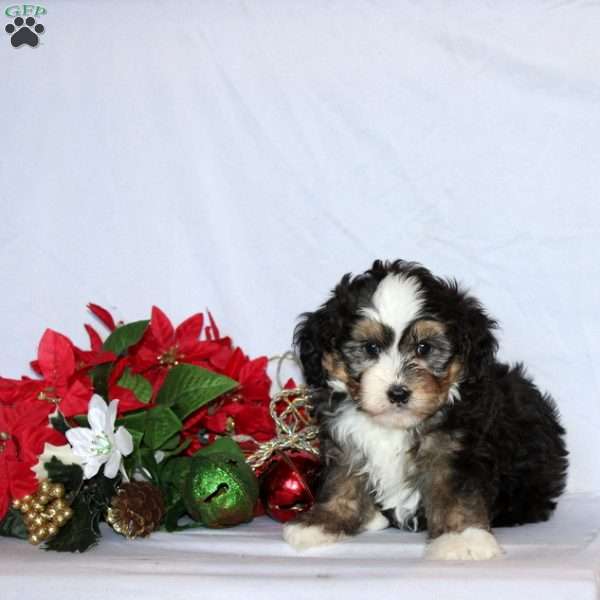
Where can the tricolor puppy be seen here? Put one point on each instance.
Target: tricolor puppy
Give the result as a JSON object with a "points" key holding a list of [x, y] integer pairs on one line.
{"points": [[421, 427]]}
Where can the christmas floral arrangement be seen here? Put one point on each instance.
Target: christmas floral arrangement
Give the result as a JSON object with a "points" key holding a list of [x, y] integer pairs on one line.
{"points": [[153, 427]]}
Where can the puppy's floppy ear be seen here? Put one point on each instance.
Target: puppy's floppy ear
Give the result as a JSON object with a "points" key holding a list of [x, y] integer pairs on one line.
{"points": [[475, 337], [319, 332]]}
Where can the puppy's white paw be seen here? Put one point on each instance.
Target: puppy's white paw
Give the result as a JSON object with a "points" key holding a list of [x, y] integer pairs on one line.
{"points": [[471, 544], [301, 536], [377, 523]]}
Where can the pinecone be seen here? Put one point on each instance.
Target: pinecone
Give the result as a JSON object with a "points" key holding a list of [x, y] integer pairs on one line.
{"points": [[136, 510]]}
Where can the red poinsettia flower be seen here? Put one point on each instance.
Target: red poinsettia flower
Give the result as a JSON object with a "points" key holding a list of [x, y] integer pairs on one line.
{"points": [[64, 369], [164, 346], [24, 429]]}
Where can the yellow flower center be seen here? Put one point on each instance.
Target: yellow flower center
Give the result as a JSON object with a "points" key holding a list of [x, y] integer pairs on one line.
{"points": [[48, 397], [170, 358]]}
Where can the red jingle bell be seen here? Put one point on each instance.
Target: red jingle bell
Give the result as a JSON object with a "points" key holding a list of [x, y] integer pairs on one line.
{"points": [[286, 486]]}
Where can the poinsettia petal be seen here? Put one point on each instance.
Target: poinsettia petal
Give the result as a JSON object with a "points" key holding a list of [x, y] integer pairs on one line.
{"points": [[212, 331], [220, 359], [190, 329], [77, 398], [103, 315], [161, 327], [35, 367], [91, 358], [192, 352], [127, 399], [56, 357], [10, 390], [95, 339], [118, 370], [124, 441], [22, 480]]}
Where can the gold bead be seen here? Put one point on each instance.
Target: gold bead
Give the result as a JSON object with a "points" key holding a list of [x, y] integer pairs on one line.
{"points": [[43, 499], [37, 507], [38, 520], [52, 530], [27, 499], [59, 519], [59, 504], [49, 513], [29, 517], [68, 513], [57, 490], [42, 533], [25, 507], [16, 504], [33, 539], [45, 487]]}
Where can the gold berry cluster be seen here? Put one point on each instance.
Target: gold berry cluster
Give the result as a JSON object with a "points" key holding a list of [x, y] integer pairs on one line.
{"points": [[45, 511]]}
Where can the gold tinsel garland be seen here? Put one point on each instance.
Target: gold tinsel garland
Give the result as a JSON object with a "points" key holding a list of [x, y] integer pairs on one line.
{"points": [[295, 429]]}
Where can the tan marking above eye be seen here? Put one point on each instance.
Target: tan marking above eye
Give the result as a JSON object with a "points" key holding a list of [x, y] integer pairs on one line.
{"points": [[367, 329], [427, 328]]}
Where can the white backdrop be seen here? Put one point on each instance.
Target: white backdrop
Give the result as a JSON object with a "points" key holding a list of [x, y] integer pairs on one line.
{"points": [[242, 156]]}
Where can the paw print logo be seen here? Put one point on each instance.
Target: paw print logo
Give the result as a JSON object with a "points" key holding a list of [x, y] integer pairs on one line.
{"points": [[24, 32]]}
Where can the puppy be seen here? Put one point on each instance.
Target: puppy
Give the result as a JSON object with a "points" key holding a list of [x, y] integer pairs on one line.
{"points": [[420, 426]]}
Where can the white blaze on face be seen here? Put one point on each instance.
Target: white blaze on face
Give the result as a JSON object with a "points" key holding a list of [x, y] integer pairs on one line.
{"points": [[397, 302]]}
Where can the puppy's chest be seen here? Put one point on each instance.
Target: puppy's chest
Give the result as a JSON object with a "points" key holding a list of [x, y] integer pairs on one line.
{"points": [[382, 455]]}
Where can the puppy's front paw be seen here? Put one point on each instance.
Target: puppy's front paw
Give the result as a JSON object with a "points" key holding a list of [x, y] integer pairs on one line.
{"points": [[301, 536], [471, 544]]}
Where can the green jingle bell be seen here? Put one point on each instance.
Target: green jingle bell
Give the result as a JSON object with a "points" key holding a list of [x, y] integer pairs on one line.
{"points": [[220, 490]]}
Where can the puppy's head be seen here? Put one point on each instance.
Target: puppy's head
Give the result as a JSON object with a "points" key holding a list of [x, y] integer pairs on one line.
{"points": [[398, 340]]}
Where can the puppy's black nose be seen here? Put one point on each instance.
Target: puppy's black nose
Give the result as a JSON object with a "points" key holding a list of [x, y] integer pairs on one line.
{"points": [[398, 394]]}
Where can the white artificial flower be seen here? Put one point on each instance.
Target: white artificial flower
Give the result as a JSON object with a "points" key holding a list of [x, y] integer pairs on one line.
{"points": [[64, 453], [99, 444]]}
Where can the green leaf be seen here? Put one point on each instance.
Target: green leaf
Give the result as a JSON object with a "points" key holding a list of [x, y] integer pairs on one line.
{"points": [[81, 532], [143, 458], [171, 444], [173, 474], [138, 384], [90, 504], [222, 445], [137, 437], [188, 387], [125, 336], [100, 375], [59, 422], [173, 449], [70, 476], [13, 526], [172, 516], [157, 425], [134, 421], [161, 424]]}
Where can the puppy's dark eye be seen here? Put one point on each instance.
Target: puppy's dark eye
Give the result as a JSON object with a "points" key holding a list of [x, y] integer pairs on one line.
{"points": [[372, 349], [423, 349]]}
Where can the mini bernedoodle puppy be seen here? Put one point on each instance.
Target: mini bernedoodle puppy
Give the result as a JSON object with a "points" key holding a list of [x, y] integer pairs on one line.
{"points": [[420, 426]]}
